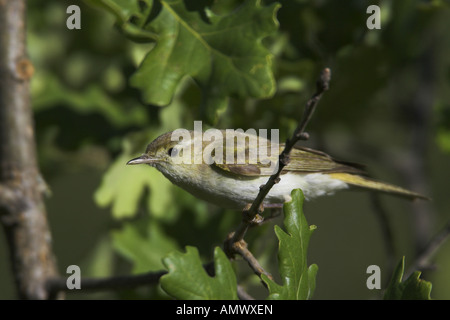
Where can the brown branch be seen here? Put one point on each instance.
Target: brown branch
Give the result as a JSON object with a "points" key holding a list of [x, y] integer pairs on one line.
{"points": [[243, 295], [22, 210], [58, 284], [251, 214], [240, 247], [111, 283]]}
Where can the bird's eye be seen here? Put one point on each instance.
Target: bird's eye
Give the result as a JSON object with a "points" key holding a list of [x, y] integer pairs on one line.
{"points": [[172, 152]]}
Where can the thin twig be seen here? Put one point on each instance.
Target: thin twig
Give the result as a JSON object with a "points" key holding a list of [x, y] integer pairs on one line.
{"points": [[235, 243], [240, 248], [58, 284], [99, 284], [422, 260], [243, 295]]}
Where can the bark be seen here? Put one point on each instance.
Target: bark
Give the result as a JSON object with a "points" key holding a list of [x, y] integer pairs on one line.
{"points": [[22, 210]]}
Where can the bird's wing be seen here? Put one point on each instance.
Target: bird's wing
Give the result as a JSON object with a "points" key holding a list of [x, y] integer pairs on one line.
{"points": [[309, 160], [302, 159]]}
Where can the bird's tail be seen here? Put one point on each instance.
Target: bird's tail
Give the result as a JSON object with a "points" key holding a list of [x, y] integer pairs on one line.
{"points": [[363, 182]]}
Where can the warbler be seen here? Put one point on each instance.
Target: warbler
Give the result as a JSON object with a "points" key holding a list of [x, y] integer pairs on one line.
{"points": [[224, 179]]}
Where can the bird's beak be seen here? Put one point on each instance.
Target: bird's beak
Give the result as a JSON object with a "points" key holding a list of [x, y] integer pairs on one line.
{"points": [[143, 159]]}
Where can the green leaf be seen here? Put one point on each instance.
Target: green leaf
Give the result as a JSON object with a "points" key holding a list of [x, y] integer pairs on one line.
{"points": [[187, 278], [144, 244], [223, 53], [299, 280], [122, 9], [412, 288], [125, 11], [123, 186], [48, 92]]}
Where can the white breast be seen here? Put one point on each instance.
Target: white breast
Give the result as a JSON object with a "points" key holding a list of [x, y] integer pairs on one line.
{"points": [[226, 191], [313, 185]]}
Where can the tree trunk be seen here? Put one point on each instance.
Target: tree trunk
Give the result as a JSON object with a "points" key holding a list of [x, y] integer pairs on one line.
{"points": [[22, 210]]}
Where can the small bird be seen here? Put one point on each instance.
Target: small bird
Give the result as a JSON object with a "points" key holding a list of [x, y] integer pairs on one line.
{"points": [[235, 184]]}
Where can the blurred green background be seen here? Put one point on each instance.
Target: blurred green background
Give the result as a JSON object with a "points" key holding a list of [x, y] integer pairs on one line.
{"points": [[388, 108]]}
